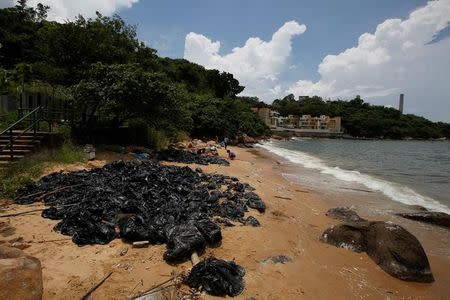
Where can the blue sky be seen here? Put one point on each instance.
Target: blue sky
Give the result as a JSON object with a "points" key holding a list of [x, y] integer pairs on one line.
{"points": [[335, 49], [332, 25]]}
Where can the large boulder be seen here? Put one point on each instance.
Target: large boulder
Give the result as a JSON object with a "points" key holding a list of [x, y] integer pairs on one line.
{"points": [[245, 139], [348, 236], [391, 246], [398, 252], [21, 275], [432, 217]]}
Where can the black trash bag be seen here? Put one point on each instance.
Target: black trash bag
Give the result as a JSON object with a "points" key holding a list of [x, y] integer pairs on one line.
{"points": [[134, 228], [182, 241], [53, 213], [94, 234], [217, 277], [210, 231], [252, 221], [182, 156], [254, 201]]}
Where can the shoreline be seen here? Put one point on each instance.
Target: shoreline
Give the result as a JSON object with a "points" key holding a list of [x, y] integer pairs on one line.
{"points": [[291, 226]]}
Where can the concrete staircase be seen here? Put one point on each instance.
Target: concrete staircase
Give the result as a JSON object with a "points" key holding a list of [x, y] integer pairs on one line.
{"points": [[22, 146]]}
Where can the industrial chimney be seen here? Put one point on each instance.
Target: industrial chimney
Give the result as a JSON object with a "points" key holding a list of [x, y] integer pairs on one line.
{"points": [[400, 103]]}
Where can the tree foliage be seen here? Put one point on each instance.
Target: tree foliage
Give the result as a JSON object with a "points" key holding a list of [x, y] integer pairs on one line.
{"points": [[113, 78]]}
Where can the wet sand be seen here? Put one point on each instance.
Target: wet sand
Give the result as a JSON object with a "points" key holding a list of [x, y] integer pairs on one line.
{"points": [[292, 224]]}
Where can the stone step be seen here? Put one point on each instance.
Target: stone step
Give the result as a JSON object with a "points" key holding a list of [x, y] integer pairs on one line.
{"points": [[23, 137], [15, 151], [4, 157]]}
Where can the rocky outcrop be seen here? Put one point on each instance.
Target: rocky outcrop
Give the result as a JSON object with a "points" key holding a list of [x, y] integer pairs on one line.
{"points": [[391, 246], [21, 275], [432, 217], [344, 214]]}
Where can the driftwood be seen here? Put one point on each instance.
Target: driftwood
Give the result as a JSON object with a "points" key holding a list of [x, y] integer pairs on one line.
{"points": [[162, 286], [33, 210], [88, 294], [154, 289], [284, 198], [43, 194], [22, 213], [49, 241]]}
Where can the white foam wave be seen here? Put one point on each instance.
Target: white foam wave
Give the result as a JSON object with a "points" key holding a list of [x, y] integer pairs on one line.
{"points": [[394, 191]]}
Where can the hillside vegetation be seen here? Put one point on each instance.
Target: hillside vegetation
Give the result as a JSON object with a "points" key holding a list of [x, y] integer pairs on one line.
{"points": [[100, 68]]}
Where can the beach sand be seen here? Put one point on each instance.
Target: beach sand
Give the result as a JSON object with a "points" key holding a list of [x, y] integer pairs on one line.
{"points": [[291, 226]]}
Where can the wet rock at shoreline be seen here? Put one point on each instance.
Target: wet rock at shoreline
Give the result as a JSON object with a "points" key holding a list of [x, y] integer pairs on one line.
{"points": [[351, 237], [345, 214], [431, 217], [398, 252], [392, 247]]}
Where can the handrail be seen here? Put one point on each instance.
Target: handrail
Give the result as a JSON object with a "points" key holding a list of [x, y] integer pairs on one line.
{"points": [[11, 142], [34, 120], [20, 120]]}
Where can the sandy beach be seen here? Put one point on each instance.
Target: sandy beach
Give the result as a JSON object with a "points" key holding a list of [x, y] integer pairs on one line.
{"points": [[291, 226]]}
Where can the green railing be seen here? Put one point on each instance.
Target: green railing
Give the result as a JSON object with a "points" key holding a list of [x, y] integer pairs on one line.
{"points": [[27, 123]]}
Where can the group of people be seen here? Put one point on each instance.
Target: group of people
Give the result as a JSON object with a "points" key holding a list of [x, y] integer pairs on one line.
{"points": [[213, 149]]}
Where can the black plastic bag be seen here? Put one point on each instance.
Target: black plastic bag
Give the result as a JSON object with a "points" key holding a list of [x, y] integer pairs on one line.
{"points": [[217, 277], [182, 241], [210, 231], [254, 201]]}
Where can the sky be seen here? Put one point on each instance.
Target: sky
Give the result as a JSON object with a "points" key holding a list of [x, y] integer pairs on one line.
{"points": [[334, 49]]}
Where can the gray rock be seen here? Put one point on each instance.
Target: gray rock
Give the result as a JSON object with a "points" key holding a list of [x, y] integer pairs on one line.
{"points": [[344, 214], [278, 259], [391, 246], [435, 218]]}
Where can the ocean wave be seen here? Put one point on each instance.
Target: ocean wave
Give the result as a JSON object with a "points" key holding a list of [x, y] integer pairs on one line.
{"points": [[392, 190]]}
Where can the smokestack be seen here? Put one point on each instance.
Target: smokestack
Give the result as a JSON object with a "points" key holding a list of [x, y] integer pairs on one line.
{"points": [[400, 103]]}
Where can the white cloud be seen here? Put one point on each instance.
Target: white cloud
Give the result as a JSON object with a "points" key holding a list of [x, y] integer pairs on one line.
{"points": [[395, 58], [256, 65], [61, 10]]}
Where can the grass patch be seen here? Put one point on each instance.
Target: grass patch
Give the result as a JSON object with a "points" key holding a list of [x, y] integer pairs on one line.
{"points": [[31, 168]]}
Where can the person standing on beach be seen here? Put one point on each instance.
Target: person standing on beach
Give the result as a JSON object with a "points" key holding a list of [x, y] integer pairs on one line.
{"points": [[225, 142]]}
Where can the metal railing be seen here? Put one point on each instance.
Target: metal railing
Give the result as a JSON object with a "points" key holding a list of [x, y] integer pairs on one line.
{"points": [[26, 123]]}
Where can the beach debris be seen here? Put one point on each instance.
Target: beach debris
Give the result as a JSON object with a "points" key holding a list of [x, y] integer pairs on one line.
{"points": [[182, 156], [141, 244], [283, 198], [345, 214], [254, 201], [431, 217], [278, 259], [217, 277], [182, 241], [390, 246], [146, 201], [252, 221], [95, 287]]}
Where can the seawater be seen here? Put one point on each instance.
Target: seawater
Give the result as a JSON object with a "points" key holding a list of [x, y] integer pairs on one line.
{"points": [[408, 172]]}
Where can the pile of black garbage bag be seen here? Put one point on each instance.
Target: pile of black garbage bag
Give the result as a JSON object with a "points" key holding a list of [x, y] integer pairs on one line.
{"points": [[176, 155], [217, 277], [145, 201]]}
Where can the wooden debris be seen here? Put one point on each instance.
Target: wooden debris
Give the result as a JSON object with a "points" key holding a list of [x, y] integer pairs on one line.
{"points": [[88, 294], [141, 244]]}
